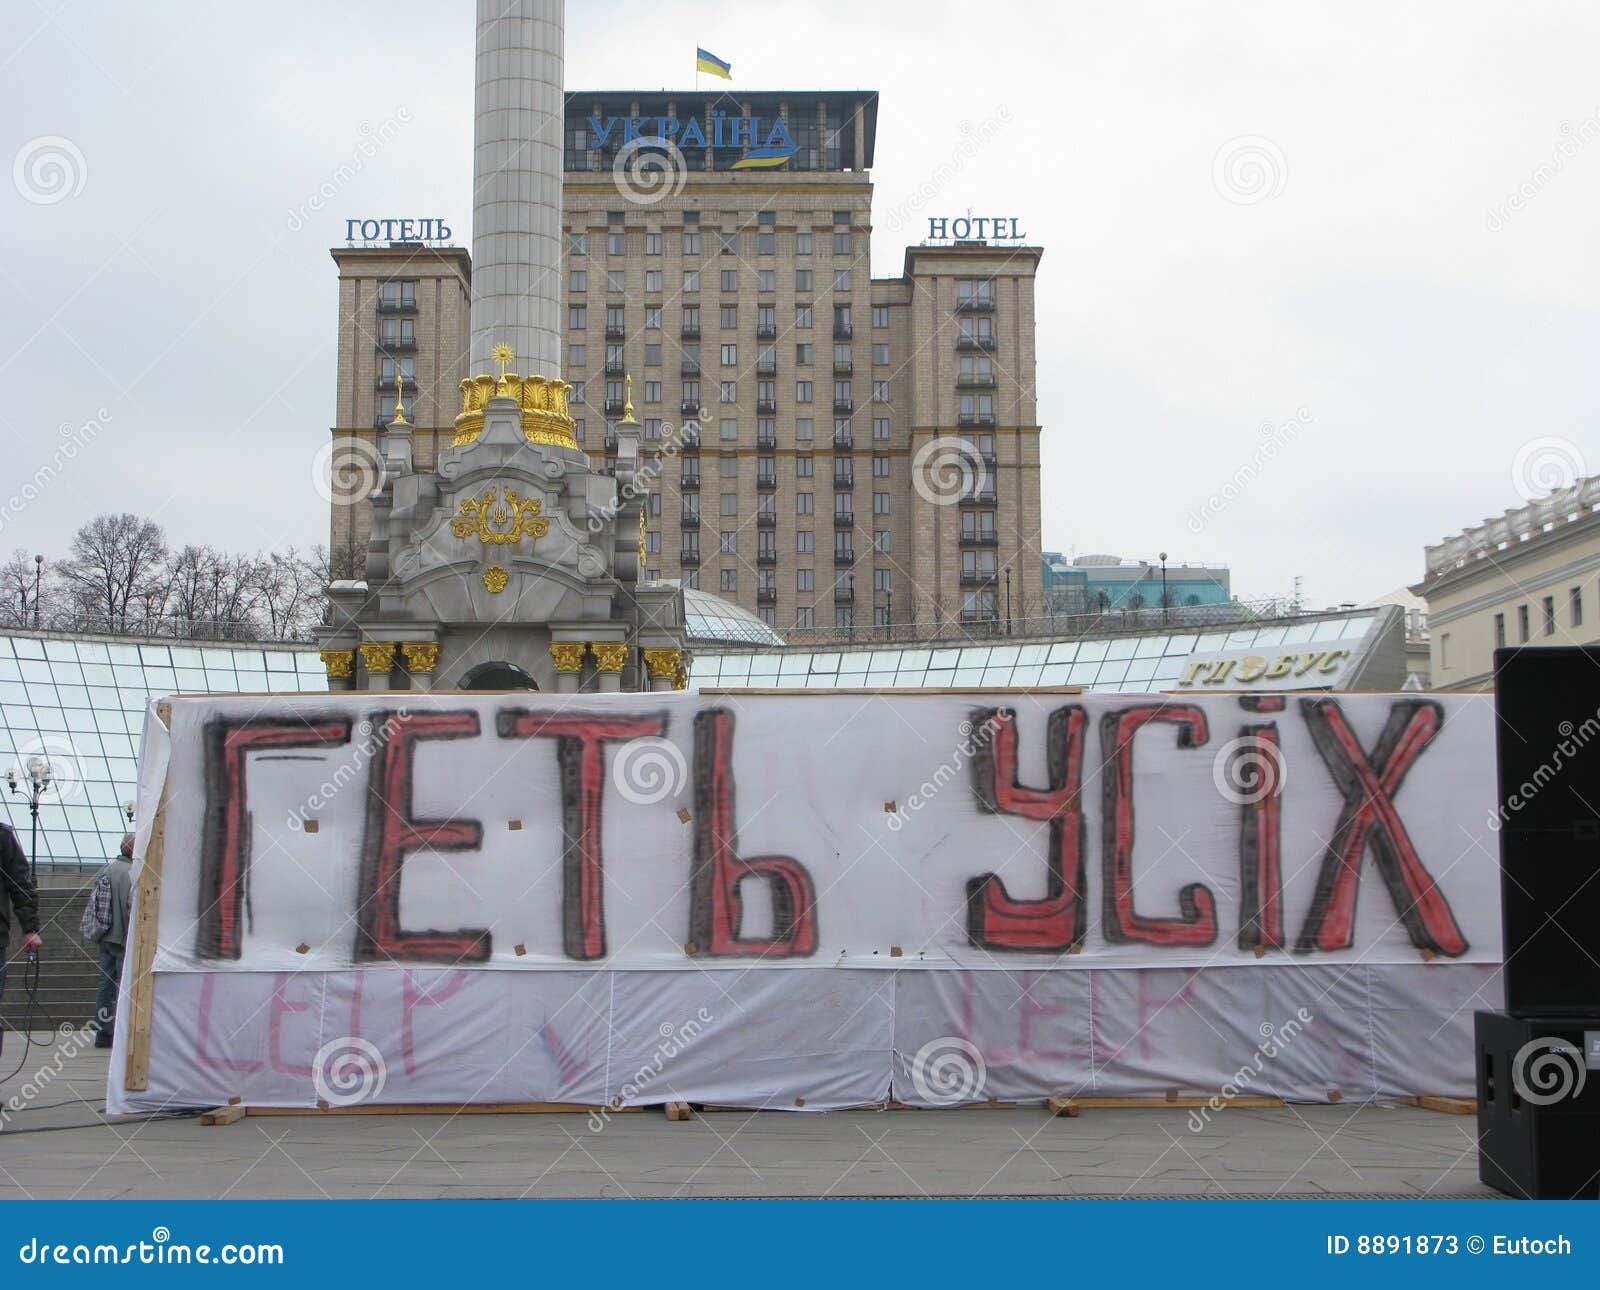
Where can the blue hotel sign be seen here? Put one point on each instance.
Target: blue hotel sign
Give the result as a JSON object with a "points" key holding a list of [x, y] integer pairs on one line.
{"points": [[766, 143], [981, 228]]}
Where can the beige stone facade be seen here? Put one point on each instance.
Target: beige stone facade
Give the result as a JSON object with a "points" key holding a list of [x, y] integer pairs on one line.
{"points": [[1529, 578], [828, 480]]}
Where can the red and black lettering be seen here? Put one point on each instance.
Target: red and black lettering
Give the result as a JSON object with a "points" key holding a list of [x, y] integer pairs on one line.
{"points": [[581, 754], [225, 835], [716, 911], [1261, 838], [1369, 816], [996, 919], [392, 834], [1197, 922]]}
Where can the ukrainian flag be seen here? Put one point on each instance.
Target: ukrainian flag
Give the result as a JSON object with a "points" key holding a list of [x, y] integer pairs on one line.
{"points": [[712, 65]]}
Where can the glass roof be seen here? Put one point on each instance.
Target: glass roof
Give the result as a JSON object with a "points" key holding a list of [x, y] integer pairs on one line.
{"points": [[710, 618]]}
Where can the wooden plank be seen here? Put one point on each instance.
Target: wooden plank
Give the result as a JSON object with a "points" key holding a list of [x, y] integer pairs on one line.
{"points": [[677, 1110], [223, 1114], [447, 1108], [1445, 1105], [1070, 1106], [147, 914], [1063, 1106]]}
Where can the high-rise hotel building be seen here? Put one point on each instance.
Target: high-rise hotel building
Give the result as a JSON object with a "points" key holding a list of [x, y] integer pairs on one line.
{"points": [[836, 450]]}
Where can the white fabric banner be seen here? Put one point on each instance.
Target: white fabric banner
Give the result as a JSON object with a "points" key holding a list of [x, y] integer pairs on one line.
{"points": [[324, 832]]}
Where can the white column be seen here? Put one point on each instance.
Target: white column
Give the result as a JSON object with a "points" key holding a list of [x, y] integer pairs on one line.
{"points": [[516, 171]]}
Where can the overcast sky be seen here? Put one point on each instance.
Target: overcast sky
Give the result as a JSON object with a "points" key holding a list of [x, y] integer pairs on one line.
{"points": [[1253, 215]]}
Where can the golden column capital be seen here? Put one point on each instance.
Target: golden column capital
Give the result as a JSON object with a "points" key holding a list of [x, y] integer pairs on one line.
{"points": [[662, 662], [609, 656], [338, 662], [378, 656], [421, 656], [568, 655]]}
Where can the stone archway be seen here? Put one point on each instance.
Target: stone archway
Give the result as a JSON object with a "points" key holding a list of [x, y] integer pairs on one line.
{"points": [[498, 676]]}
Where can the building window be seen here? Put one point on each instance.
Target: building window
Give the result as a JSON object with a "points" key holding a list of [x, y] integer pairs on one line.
{"points": [[1499, 631], [730, 543], [616, 280], [652, 281], [802, 317], [730, 279], [577, 317], [1575, 606], [804, 618], [805, 580], [652, 392], [880, 577], [652, 427], [652, 244], [398, 331], [1549, 615], [730, 580], [880, 318], [766, 281], [691, 579], [1444, 648], [578, 281], [1522, 624], [728, 466], [802, 243], [730, 503], [691, 279], [802, 391], [577, 355], [880, 355], [844, 616], [804, 466], [802, 280], [577, 244], [880, 503], [880, 428], [616, 242], [728, 427], [802, 355], [804, 504], [804, 542], [730, 355], [880, 391], [803, 428], [652, 317], [841, 279], [880, 544], [880, 467], [407, 367], [730, 391]]}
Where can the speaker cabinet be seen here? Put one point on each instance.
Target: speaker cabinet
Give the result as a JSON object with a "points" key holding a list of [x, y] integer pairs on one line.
{"points": [[1539, 1105], [1547, 702]]}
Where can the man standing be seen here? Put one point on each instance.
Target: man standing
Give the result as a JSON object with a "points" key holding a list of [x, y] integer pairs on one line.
{"points": [[16, 895], [108, 908]]}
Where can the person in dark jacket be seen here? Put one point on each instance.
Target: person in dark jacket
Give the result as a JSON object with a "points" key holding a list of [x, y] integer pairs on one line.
{"points": [[119, 880], [16, 897]]}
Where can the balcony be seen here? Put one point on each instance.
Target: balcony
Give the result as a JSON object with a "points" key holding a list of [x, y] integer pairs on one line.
{"points": [[398, 346], [767, 367], [617, 332], [766, 408], [689, 367], [843, 366], [690, 520], [843, 595], [977, 499], [611, 444], [980, 539], [975, 305], [844, 520], [766, 557], [976, 381], [616, 367], [690, 408], [397, 306], [970, 578], [843, 330], [844, 479], [844, 406], [689, 483], [766, 483], [689, 558], [984, 617], [615, 407], [976, 420], [843, 439], [691, 443], [766, 519], [766, 595], [690, 331], [767, 441], [971, 343], [767, 331]]}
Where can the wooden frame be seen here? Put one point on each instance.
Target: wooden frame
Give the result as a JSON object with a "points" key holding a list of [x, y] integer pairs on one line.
{"points": [[147, 917]]}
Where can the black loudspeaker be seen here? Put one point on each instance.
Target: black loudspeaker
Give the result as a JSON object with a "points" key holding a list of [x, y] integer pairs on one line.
{"points": [[1539, 1106], [1547, 704]]}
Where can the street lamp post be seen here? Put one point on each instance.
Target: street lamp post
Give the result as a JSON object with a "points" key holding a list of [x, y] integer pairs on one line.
{"points": [[38, 577], [34, 785], [1165, 603], [1008, 600]]}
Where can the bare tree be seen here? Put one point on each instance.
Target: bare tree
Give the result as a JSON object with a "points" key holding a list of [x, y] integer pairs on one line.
{"points": [[115, 576], [20, 585], [291, 588]]}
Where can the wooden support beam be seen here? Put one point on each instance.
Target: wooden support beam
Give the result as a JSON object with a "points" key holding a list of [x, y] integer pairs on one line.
{"points": [[223, 1115], [447, 1108], [677, 1110], [147, 916], [1445, 1105]]}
